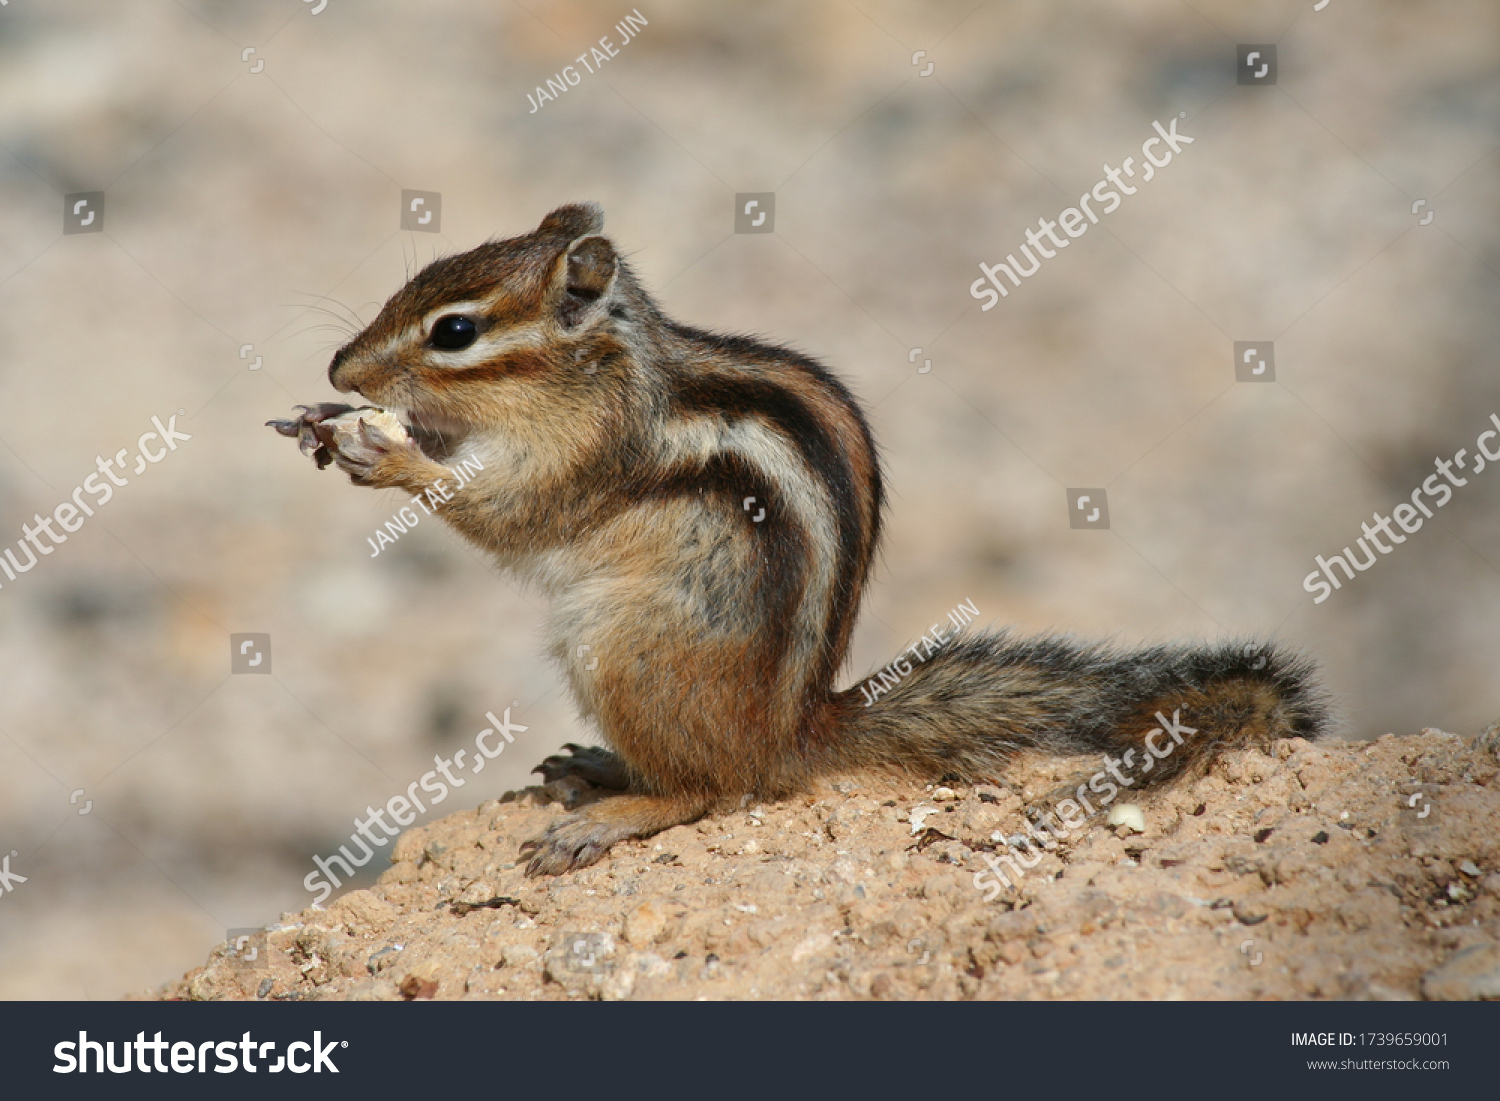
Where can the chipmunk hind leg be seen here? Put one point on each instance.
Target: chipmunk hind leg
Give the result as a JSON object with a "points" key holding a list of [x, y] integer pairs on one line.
{"points": [[582, 839]]}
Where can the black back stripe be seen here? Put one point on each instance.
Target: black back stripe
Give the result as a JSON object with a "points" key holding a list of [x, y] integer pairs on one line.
{"points": [[741, 397], [782, 544]]}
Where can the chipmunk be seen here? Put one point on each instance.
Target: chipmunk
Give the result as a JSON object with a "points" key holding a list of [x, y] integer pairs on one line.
{"points": [[703, 511]]}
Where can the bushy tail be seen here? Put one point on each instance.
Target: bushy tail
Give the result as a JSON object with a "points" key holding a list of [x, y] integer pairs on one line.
{"points": [[968, 708]]}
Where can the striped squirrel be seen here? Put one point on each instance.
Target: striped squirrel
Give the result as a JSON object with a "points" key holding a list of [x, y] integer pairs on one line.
{"points": [[624, 460]]}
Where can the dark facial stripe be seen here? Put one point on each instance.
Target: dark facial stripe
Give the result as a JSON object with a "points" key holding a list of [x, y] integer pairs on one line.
{"points": [[521, 364]]}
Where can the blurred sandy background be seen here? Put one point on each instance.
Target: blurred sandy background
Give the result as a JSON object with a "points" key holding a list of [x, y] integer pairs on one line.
{"points": [[238, 203]]}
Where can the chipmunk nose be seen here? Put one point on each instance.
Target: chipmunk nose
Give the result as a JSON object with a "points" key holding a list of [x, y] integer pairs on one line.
{"points": [[333, 369]]}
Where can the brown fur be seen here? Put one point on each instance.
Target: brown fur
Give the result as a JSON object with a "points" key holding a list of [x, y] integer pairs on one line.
{"points": [[627, 459]]}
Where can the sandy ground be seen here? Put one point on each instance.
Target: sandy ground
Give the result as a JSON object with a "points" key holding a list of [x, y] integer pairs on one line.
{"points": [[1363, 870]]}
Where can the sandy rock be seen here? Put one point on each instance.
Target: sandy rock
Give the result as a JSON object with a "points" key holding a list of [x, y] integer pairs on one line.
{"points": [[644, 924], [362, 908], [1347, 895], [1471, 974]]}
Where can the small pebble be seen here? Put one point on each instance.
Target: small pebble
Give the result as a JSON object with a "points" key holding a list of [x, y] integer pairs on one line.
{"points": [[378, 960], [518, 955], [1128, 815], [418, 988]]}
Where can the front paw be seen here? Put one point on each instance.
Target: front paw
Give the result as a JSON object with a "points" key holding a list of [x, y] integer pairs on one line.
{"points": [[574, 842], [370, 445], [303, 427]]}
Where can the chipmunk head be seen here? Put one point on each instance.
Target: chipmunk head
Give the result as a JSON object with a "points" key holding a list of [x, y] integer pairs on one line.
{"points": [[496, 335]]}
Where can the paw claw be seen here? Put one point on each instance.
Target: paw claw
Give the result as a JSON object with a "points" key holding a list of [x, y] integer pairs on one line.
{"points": [[574, 842], [324, 431], [313, 438]]}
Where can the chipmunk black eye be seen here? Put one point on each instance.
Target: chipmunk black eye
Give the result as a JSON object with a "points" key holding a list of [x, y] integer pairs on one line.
{"points": [[454, 332]]}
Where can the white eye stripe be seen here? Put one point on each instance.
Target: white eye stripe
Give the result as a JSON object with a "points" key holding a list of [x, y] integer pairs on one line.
{"points": [[514, 337], [487, 346], [490, 341]]}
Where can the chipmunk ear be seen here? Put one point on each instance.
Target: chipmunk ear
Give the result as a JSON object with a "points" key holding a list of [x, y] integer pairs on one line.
{"points": [[588, 272], [574, 220]]}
